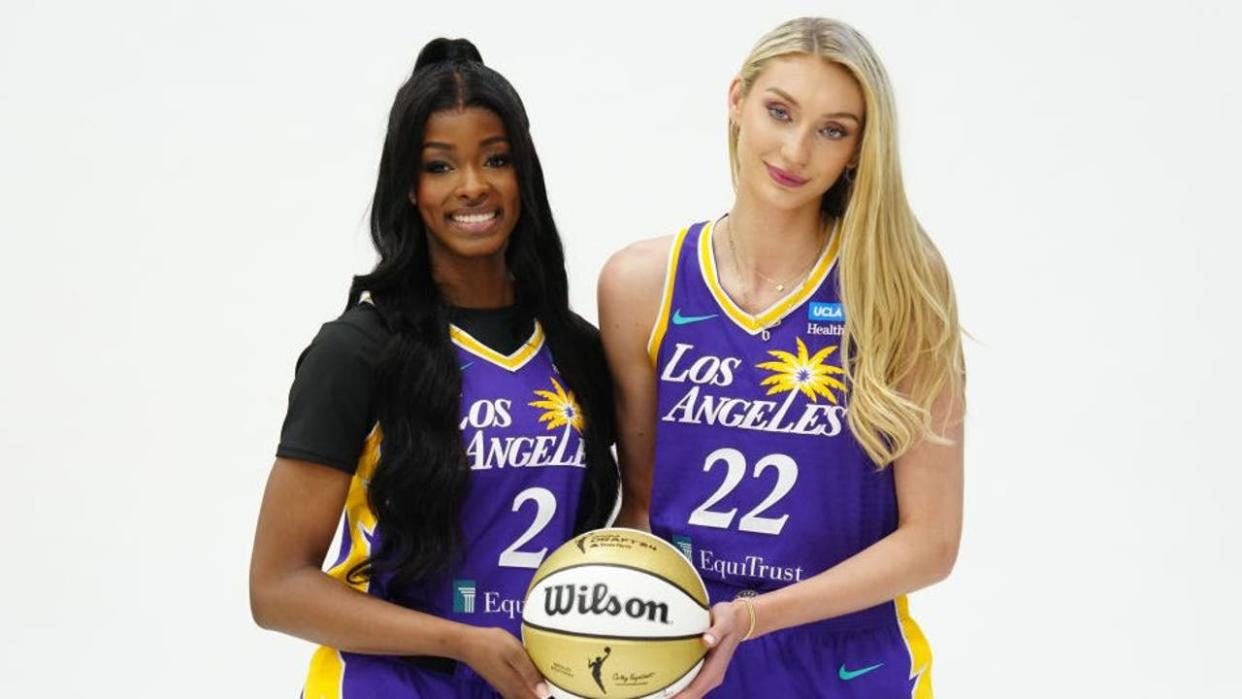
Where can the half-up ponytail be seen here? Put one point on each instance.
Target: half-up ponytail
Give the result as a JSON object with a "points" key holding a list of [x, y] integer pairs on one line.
{"points": [[447, 51], [421, 481]]}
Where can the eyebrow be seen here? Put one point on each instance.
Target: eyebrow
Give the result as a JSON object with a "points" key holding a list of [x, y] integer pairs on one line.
{"points": [[490, 141], [789, 98]]}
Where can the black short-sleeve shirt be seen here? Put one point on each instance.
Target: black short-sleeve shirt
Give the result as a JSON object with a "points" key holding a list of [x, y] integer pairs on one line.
{"points": [[332, 400]]}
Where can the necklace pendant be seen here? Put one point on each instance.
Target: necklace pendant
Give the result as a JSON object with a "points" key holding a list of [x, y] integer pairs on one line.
{"points": [[780, 287]]}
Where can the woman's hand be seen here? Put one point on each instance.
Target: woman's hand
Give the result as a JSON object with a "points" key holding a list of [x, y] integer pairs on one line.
{"points": [[730, 620], [500, 659]]}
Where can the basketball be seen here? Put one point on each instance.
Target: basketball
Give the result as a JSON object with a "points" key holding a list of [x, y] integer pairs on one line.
{"points": [[616, 614]]}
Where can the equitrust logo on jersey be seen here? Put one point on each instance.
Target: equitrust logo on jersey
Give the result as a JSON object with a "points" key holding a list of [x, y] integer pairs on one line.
{"points": [[754, 567], [684, 545], [825, 318], [463, 596], [469, 599]]}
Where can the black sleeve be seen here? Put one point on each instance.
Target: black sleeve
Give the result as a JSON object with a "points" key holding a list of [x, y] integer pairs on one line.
{"points": [[332, 401]]}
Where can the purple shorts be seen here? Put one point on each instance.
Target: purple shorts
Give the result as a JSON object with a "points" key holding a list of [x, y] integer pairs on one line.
{"points": [[878, 653], [339, 675]]}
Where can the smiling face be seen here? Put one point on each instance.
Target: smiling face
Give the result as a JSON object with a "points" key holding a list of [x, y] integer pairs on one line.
{"points": [[799, 127], [467, 191]]}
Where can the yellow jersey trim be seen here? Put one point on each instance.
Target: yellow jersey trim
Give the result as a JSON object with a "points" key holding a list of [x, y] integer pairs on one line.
{"points": [[512, 362], [754, 324], [326, 674], [358, 515], [919, 649], [326, 678], [666, 299]]}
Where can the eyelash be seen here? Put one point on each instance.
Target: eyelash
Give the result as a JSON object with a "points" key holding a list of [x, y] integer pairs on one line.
{"points": [[774, 108], [438, 167], [779, 113]]}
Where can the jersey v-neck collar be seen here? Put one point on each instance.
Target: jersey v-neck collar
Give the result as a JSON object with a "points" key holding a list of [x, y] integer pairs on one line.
{"points": [[773, 314], [514, 361]]}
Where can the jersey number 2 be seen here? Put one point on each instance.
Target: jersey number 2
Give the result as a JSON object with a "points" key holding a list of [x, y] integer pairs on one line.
{"points": [[786, 476], [545, 508]]}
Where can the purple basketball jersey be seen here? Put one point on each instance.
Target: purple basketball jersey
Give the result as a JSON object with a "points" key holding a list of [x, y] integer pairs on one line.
{"points": [[522, 432], [757, 477]]}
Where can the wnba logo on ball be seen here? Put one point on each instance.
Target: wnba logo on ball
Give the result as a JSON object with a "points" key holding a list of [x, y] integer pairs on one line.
{"points": [[561, 599]]}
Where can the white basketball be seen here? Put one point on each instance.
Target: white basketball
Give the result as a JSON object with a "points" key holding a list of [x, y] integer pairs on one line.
{"points": [[616, 614]]}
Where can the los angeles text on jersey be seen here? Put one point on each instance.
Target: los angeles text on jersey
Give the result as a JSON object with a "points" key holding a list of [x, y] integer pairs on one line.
{"points": [[751, 567], [707, 400], [485, 450]]}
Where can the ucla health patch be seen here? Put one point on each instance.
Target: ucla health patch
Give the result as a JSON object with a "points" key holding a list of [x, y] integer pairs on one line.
{"points": [[826, 312]]}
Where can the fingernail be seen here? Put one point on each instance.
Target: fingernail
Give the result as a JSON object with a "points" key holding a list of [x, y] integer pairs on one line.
{"points": [[542, 689], [709, 639]]}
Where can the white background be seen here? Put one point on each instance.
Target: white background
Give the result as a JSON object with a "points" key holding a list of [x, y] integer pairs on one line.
{"points": [[183, 196]]}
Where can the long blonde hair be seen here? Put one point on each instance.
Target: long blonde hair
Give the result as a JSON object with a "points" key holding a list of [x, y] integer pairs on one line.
{"points": [[902, 346]]}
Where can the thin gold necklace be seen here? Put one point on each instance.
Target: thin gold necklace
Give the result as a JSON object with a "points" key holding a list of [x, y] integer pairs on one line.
{"points": [[780, 286]]}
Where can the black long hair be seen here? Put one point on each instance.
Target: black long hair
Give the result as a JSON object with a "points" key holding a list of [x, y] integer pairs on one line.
{"points": [[421, 481]]}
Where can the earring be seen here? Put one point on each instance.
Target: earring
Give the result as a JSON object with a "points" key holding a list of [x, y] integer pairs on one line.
{"points": [[848, 175]]}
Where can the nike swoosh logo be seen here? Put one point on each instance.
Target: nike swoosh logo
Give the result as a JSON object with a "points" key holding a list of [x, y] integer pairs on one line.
{"points": [[679, 319], [848, 675]]}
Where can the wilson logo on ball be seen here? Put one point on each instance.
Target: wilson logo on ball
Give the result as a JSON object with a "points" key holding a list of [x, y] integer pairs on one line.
{"points": [[565, 599]]}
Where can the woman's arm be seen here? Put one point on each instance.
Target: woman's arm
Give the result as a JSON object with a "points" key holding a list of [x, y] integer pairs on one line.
{"points": [[289, 592], [630, 288], [921, 551]]}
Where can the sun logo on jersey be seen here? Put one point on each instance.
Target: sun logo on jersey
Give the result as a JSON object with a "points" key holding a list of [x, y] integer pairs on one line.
{"points": [[803, 373], [560, 408]]}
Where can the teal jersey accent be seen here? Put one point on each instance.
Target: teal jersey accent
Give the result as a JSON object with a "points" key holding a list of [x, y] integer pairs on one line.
{"points": [[848, 675], [679, 319]]}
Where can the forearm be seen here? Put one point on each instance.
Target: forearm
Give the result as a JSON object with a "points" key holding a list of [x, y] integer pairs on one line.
{"points": [[906, 560], [635, 493], [636, 452], [310, 604], [633, 515]]}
